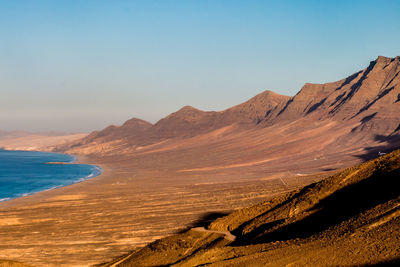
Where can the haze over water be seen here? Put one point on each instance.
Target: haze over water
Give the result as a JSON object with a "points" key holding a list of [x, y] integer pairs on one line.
{"points": [[27, 172]]}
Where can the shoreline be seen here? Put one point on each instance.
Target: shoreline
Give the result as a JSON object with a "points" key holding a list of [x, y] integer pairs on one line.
{"points": [[95, 172], [126, 207]]}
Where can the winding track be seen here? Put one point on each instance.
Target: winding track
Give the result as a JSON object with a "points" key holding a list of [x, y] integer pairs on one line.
{"points": [[227, 235]]}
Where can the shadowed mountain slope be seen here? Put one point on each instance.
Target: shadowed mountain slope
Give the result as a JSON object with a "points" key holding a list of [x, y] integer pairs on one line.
{"points": [[351, 218], [372, 90]]}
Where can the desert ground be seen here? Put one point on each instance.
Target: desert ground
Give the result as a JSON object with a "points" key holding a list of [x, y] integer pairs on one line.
{"points": [[102, 218], [348, 219], [163, 189]]}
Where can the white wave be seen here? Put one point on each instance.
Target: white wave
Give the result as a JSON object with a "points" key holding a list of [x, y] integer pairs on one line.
{"points": [[54, 187], [74, 159], [4, 199]]}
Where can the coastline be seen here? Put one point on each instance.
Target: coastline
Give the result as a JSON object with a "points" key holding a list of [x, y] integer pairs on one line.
{"points": [[136, 200], [124, 208], [95, 171]]}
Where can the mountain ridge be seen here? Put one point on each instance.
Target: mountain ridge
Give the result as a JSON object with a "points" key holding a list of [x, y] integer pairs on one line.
{"points": [[368, 99], [335, 97], [187, 122]]}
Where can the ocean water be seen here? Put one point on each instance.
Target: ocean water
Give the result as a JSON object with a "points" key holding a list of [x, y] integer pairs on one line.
{"points": [[26, 172]]}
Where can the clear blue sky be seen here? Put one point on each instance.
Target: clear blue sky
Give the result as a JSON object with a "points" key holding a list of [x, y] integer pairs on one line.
{"points": [[81, 65]]}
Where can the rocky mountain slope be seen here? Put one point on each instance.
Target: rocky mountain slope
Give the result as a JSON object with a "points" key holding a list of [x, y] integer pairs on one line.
{"points": [[351, 218], [189, 122], [185, 123], [131, 130], [371, 95], [367, 101]]}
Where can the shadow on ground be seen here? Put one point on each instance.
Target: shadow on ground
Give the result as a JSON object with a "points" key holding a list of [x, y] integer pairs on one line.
{"points": [[392, 262], [389, 144], [342, 205], [204, 220]]}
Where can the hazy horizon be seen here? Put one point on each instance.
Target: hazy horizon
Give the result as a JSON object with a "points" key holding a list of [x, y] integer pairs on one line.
{"points": [[78, 66]]}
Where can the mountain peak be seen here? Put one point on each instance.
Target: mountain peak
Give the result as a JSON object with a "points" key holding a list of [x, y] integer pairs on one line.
{"points": [[136, 122], [271, 94], [188, 108], [266, 95], [385, 60], [186, 113]]}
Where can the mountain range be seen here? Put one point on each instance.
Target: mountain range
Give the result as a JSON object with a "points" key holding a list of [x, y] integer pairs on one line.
{"points": [[324, 126]]}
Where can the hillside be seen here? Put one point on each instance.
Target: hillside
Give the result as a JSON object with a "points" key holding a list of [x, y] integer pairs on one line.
{"points": [[351, 218], [131, 131], [189, 122]]}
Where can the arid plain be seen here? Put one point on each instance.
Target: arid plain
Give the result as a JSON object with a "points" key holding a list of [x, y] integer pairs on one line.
{"points": [[194, 166]]}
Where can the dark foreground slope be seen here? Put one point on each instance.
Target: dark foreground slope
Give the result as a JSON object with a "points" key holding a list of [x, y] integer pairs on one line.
{"points": [[351, 218]]}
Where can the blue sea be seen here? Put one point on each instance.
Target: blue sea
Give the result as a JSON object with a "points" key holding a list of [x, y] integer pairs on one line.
{"points": [[26, 172]]}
